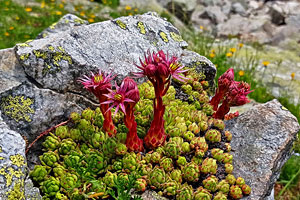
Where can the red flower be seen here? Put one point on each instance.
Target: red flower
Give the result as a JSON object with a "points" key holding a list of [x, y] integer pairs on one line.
{"points": [[97, 83]]}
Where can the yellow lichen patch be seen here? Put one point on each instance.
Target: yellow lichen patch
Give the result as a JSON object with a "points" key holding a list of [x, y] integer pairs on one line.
{"points": [[163, 36], [40, 54], [1, 158], [51, 48], [78, 20], [121, 24], [176, 37], [24, 56], [61, 49], [10, 174], [17, 107], [23, 45], [141, 27], [53, 25], [17, 192], [44, 35], [17, 160]]}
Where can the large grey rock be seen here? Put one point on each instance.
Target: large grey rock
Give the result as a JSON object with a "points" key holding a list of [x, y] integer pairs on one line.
{"points": [[13, 165], [238, 8], [262, 140]]}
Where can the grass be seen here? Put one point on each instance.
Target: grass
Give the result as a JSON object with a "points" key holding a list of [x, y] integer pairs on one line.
{"points": [[20, 23]]}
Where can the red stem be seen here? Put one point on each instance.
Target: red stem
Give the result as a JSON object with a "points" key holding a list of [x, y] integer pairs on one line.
{"points": [[45, 133]]}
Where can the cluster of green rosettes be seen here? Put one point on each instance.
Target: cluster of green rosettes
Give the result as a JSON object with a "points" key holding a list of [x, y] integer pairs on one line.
{"points": [[81, 161]]}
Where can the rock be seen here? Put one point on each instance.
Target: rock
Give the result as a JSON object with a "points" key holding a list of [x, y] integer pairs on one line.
{"points": [[277, 14], [238, 25], [262, 140], [13, 166], [187, 5], [31, 192], [11, 72], [215, 14], [57, 61], [65, 23], [294, 21], [238, 8], [182, 9], [201, 63], [198, 21]]}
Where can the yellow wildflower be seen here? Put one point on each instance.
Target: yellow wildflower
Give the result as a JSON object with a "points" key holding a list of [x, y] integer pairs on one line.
{"points": [[265, 63], [136, 9], [216, 65], [28, 9], [293, 75], [241, 73], [229, 54], [17, 18], [233, 50], [130, 14], [11, 28], [6, 9], [212, 51], [6, 34], [201, 27], [127, 7], [82, 14], [26, 36], [58, 13], [61, 5], [7, 3], [43, 4], [212, 55], [93, 16], [241, 45], [91, 20]]}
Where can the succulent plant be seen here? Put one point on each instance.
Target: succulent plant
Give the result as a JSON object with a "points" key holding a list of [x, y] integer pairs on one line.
{"points": [[185, 147], [194, 128], [200, 143], [240, 181], [121, 149], [217, 154], [51, 142], [191, 172], [166, 164], [60, 196], [109, 147], [236, 192], [72, 161], [88, 114], [188, 135], [213, 135], [58, 170], [228, 168], [219, 124], [210, 183], [246, 189], [69, 181], [140, 185], [202, 194], [155, 157], [117, 166], [98, 186], [208, 109], [227, 158], [181, 161], [97, 139], [228, 136], [176, 175], [75, 134], [172, 149], [178, 140], [185, 192], [220, 196], [75, 117], [130, 162], [223, 186], [66, 146], [39, 172], [209, 165], [197, 160], [109, 179], [157, 178], [230, 179], [228, 147], [174, 131], [171, 187], [62, 132], [49, 158], [96, 162], [50, 186], [203, 125]]}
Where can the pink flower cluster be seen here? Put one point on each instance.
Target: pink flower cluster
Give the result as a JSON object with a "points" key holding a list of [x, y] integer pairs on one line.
{"points": [[229, 93]]}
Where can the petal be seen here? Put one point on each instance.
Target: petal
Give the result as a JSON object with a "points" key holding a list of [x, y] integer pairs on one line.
{"points": [[107, 102], [123, 108]]}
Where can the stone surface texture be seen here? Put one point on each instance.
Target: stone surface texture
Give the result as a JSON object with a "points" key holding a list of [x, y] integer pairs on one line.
{"points": [[262, 140], [13, 166]]}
